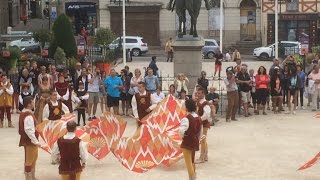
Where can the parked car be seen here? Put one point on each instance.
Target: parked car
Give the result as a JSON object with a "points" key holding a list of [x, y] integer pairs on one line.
{"points": [[285, 48], [24, 42], [136, 44], [31, 49], [210, 48]]}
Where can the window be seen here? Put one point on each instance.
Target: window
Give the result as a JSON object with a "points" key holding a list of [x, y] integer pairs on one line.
{"points": [[131, 40], [209, 43], [292, 5]]}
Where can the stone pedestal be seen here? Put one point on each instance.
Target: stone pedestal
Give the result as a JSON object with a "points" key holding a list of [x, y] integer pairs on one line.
{"points": [[188, 58]]}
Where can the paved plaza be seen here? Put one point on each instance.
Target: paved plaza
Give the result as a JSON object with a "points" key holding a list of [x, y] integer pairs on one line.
{"points": [[260, 147]]}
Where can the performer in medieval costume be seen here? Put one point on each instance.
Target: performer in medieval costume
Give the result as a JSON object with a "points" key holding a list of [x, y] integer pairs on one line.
{"points": [[190, 128], [29, 137], [141, 103], [62, 87], [72, 152], [42, 98], [6, 92], [54, 109], [204, 111], [81, 98], [24, 93]]}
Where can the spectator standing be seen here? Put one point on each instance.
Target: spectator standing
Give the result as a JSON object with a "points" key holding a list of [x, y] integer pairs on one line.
{"points": [[302, 79], [262, 82], [237, 68], [128, 71], [316, 59], [34, 73], [62, 88], [113, 85], [293, 90], [43, 73], [124, 95], [228, 56], [181, 83], [169, 50], [94, 81], [83, 78], [275, 64], [276, 90], [134, 81], [153, 66], [43, 98], [54, 74], [253, 90], [233, 96], [218, 63], [77, 73], [285, 82], [14, 80], [152, 81], [103, 92], [308, 88], [236, 55], [82, 99], [203, 81], [244, 87], [314, 83], [183, 95], [25, 80]]}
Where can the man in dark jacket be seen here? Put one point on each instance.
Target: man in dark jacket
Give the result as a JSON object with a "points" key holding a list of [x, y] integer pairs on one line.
{"points": [[154, 66]]}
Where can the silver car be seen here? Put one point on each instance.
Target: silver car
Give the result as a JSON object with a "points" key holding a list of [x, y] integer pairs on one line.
{"points": [[210, 48]]}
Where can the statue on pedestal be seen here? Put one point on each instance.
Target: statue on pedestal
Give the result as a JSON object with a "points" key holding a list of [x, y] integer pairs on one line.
{"points": [[193, 7]]}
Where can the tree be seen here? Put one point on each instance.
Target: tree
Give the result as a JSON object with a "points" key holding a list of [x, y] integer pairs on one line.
{"points": [[104, 36], [60, 56], [63, 37], [42, 36]]}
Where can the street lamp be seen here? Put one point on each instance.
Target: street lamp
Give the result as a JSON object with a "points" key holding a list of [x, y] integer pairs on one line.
{"points": [[124, 50], [221, 24], [276, 30]]}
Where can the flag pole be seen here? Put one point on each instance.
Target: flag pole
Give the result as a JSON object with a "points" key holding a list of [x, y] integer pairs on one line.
{"points": [[276, 30], [221, 24]]}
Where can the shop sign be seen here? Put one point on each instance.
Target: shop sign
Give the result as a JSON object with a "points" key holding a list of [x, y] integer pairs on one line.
{"points": [[6, 53], [81, 50], [44, 53]]}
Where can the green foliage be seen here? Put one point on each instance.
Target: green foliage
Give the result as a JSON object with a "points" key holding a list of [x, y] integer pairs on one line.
{"points": [[12, 61], [72, 62], [299, 59], [60, 56], [108, 58], [63, 37], [42, 36], [316, 49], [104, 36]]}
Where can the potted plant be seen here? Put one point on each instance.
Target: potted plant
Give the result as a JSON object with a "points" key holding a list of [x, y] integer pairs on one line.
{"points": [[105, 61]]}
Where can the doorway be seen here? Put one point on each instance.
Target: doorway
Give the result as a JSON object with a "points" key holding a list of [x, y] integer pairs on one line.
{"points": [[248, 20]]}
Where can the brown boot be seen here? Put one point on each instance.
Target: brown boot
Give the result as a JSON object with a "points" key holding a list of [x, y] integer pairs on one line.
{"points": [[28, 175], [10, 124]]}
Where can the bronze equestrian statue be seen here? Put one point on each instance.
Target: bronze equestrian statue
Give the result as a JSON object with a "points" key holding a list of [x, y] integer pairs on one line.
{"points": [[193, 7]]}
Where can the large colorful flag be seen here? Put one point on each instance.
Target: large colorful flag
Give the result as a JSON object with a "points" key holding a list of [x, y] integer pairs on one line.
{"points": [[156, 142], [103, 133], [310, 163], [51, 131]]}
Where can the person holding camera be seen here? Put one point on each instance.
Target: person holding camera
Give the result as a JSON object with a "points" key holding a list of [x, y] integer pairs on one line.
{"points": [[232, 94], [94, 81]]}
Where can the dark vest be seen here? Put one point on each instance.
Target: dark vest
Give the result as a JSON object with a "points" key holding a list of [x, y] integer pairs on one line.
{"points": [[143, 103], [190, 139], [69, 156], [205, 123], [55, 112], [83, 104], [23, 96], [24, 139]]}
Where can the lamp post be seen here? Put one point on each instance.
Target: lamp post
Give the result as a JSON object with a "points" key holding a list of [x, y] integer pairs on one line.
{"points": [[124, 50], [276, 30], [221, 24]]}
